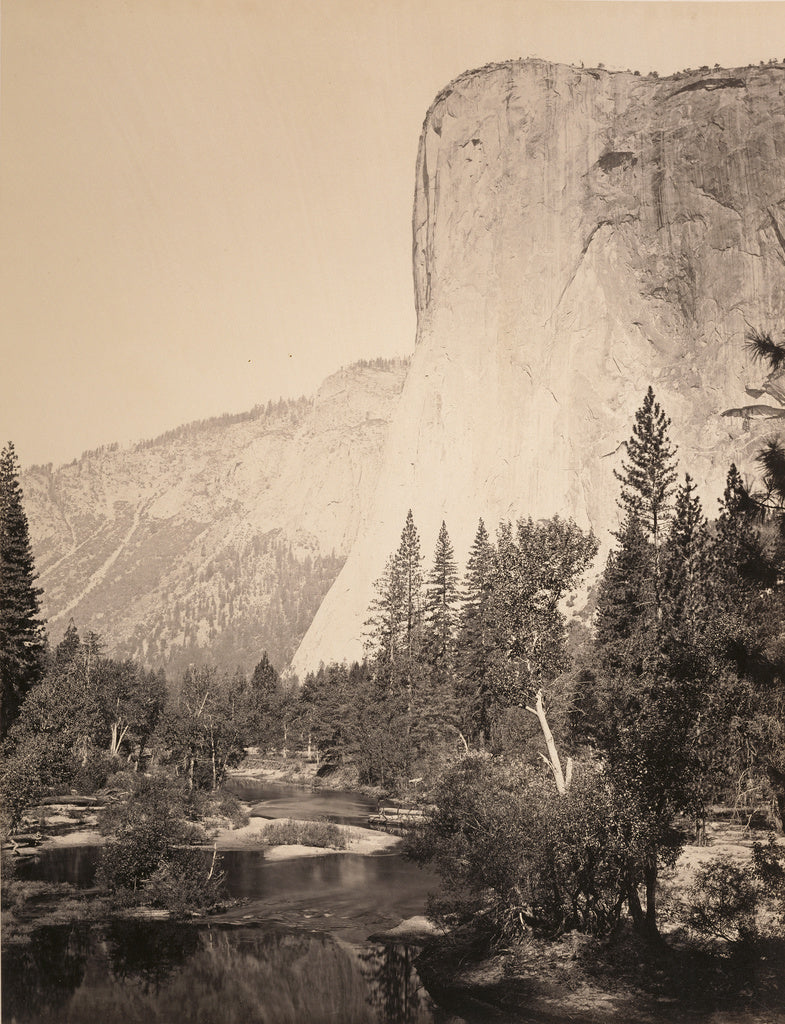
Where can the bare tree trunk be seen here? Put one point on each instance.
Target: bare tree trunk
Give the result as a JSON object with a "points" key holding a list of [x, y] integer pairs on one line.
{"points": [[553, 755], [650, 878]]}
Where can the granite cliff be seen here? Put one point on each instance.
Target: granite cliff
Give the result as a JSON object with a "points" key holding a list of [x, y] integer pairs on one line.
{"points": [[219, 539], [577, 235]]}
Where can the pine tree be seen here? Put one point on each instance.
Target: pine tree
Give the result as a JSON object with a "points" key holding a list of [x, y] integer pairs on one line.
{"points": [[475, 636], [384, 623], [409, 561], [393, 628], [441, 598], [648, 478], [625, 624], [686, 566], [22, 635], [740, 565]]}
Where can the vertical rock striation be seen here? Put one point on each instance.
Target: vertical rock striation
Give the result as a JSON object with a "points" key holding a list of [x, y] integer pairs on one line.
{"points": [[578, 235]]}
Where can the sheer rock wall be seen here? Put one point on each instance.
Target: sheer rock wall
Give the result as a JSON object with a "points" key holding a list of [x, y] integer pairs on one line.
{"points": [[577, 235]]}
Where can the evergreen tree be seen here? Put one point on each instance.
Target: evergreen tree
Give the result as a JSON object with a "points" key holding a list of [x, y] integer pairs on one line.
{"points": [[739, 563], [22, 636], [625, 620], [265, 678], [384, 626], [686, 567], [68, 648], [394, 626], [409, 561], [475, 637], [648, 478], [441, 598]]}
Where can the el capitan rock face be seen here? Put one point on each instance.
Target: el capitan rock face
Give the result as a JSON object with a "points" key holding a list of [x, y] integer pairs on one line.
{"points": [[578, 235]]}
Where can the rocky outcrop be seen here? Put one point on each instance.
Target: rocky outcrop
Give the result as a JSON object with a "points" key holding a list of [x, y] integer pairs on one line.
{"points": [[578, 235], [219, 539]]}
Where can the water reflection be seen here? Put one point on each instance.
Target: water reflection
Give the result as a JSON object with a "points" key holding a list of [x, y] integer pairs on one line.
{"points": [[159, 973], [394, 989], [342, 892], [74, 864]]}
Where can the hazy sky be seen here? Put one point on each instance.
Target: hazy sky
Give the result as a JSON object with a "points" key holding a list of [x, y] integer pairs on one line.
{"points": [[205, 204]]}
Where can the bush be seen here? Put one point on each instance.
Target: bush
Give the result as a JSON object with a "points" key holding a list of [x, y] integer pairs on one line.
{"points": [[513, 855], [95, 772], [31, 767], [304, 833], [723, 901], [228, 806], [740, 904], [145, 862], [185, 881]]}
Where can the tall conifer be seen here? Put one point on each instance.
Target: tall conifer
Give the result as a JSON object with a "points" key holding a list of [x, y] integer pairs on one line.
{"points": [[441, 598], [648, 478], [686, 569], [22, 636], [475, 635], [409, 560]]}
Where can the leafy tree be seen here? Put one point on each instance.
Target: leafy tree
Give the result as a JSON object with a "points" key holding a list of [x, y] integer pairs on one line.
{"points": [[132, 701], [534, 566], [22, 636], [203, 726], [513, 856], [147, 860], [327, 711]]}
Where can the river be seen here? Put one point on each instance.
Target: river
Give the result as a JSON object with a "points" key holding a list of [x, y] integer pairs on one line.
{"points": [[295, 951]]}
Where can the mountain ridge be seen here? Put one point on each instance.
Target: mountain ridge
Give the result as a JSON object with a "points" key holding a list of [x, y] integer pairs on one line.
{"points": [[182, 547]]}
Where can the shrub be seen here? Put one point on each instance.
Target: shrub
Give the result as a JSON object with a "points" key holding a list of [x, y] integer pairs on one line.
{"points": [[768, 864], [95, 772], [723, 901], [31, 767], [145, 862], [513, 855], [740, 904], [227, 805], [304, 833], [185, 881]]}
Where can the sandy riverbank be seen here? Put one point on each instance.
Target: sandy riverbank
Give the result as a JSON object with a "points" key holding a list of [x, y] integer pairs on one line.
{"points": [[364, 841]]}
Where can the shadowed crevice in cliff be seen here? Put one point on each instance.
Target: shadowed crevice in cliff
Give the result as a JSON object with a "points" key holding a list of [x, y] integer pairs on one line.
{"points": [[710, 84]]}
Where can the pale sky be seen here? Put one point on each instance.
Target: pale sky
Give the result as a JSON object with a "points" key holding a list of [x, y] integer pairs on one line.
{"points": [[205, 204]]}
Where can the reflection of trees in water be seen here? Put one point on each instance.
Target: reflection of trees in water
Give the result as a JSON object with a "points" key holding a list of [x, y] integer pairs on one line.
{"points": [[42, 973], [149, 950], [394, 989], [159, 972]]}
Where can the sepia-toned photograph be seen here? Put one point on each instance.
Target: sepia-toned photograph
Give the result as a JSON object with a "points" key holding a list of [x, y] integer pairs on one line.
{"points": [[392, 512]]}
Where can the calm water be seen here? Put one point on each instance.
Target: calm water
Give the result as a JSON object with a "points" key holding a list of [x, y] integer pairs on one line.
{"points": [[294, 952], [272, 800]]}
